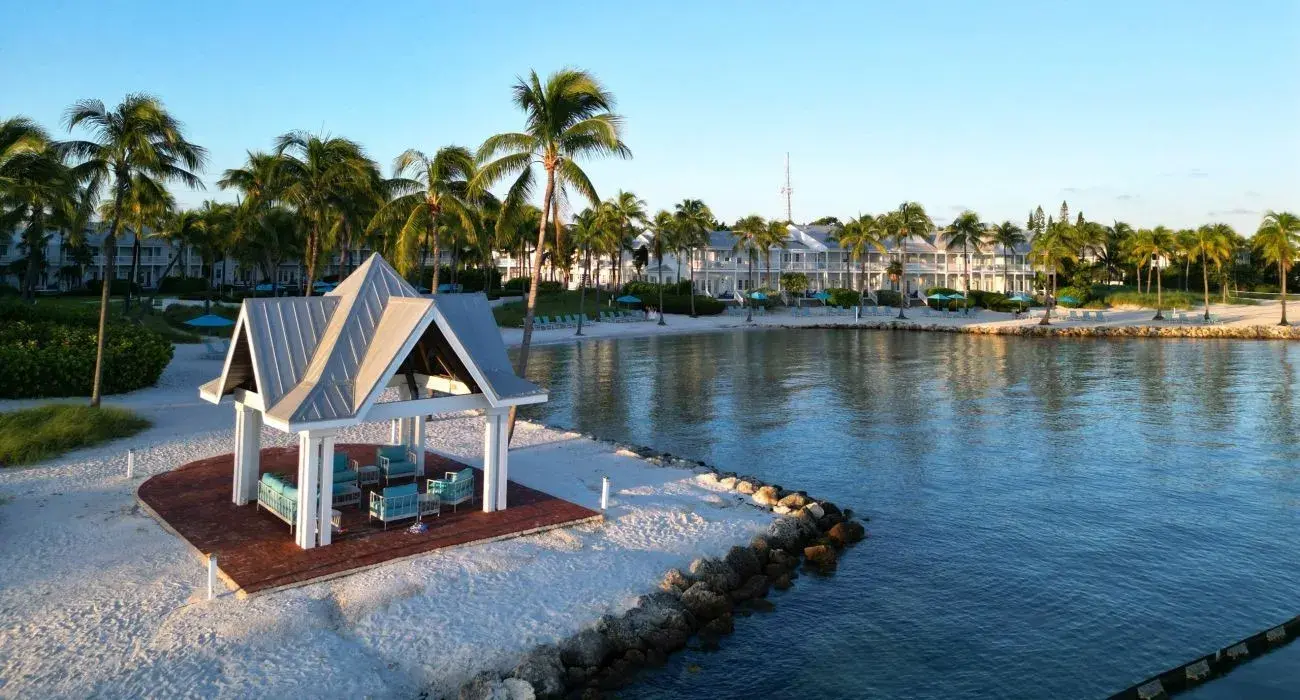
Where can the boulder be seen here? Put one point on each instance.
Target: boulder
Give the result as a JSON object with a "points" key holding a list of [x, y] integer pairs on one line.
{"points": [[846, 533], [762, 605], [746, 487], [794, 501], [543, 670], [821, 557], [621, 632], [761, 548], [815, 511], [830, 508], [716, 573], [668, 639], [711, 633], [772, 571], [586, 648], [742, 561], [708, 478], [766, 496], [575, 676], [654, 657], [704, 603], [783, 559], [486, 686], [518, 689], [753, 587], [782, 582], [728, 482], [674, 582], [782, 510], [791, 533]]}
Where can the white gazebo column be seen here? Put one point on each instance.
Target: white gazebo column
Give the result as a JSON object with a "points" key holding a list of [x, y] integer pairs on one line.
{"points": [[495, 436], [395, 431], [248, 444], [417, 444], [323, 517], [496, 444], [308, 484]]}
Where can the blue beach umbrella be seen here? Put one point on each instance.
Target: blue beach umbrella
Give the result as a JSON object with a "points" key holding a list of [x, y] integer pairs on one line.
{"points": [[210, 321], [955, 296], [628, 299], [937, 297], [759, 296], [821, 296], [1069, 300]]}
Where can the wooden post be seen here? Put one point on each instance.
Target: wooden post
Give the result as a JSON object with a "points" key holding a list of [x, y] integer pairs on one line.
{"points": [[604, 492], [495, 441], [212, 576], [248, 452], [326, 488], [130, 464], [308, 483]]}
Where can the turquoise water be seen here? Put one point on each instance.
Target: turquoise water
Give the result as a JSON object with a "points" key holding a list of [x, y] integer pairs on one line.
{"points": [[1048, 518]]}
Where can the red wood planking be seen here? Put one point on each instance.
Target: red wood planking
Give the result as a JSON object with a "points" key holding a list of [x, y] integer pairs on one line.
{"points": [[256, 550]]}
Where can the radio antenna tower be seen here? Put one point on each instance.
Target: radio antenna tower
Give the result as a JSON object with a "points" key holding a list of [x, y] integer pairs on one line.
{"points": [[787, 190]]}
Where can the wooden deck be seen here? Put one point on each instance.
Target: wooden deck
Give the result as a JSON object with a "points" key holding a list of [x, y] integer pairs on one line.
{"points": [[256, 552]]}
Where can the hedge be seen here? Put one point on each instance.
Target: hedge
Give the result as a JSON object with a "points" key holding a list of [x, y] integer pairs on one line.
{"points": [[681, 304], [522, 283], [52, 353], [182, 285], [650, 290]]}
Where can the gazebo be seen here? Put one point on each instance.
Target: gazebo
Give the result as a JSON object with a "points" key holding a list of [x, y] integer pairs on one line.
{"points": [[313, 365]]}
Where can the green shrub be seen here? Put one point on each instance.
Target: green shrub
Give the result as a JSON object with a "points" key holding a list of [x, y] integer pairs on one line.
{"points": [[518, 284], [681, 304], [888, 297], [35, 434], [475, 280], [843, 297], [7, 290], [1268, 289], [650, 290], [1171, 300], [118, 288], [182, 285], [993, 301], [49, 350], [1082, 295]]}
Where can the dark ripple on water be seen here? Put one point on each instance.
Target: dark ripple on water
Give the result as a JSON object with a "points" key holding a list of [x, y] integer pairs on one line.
{"points": [[1050, 518]]}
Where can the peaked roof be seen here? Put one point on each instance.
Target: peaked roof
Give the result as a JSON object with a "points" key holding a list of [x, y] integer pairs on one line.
{"points": [[327, 359]]}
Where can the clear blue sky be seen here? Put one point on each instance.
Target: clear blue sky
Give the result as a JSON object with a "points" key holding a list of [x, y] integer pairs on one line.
{"points": [[1174, 112]]}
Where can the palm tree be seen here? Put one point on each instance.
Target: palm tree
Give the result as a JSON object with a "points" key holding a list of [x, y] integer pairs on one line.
{"points": [[1278, 240], [146, 206], [181, 228], [1183, 242], [694, 224], [905, 222], [214, 239], [1210, 244], [624, 211], [427, 189], [586, 234], [753, 236], [969, 232], [1112, 256], [1151, 245], [138, 138], [1009, 236], [1054, 247], [860, 235], [665, 233], [570, 116], [257, 182], [311, 173], [36, 190]]}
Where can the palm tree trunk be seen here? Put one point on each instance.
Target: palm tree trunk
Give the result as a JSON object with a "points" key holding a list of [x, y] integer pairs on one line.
{"points": [[109, 251], [749, 309], [1281, 271], [313, 240], [530, 306], [690, 267], [162, 277], [135, 269], [660, 257], [433, 235], [1205, 277], [1159, 298]]}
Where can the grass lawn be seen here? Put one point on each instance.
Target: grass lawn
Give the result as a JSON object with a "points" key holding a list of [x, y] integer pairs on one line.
{"points": [[170, 328], [511, 315], [35, 434]]}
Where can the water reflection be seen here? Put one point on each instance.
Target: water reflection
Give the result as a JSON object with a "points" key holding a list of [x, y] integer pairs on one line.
{"points": [[1082, 511]]}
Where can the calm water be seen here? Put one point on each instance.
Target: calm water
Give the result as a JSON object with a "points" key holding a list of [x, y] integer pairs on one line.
{"points": [[1048, 518]]}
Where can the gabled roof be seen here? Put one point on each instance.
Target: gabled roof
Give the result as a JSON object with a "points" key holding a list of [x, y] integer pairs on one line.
{"points": [[327, 359]]}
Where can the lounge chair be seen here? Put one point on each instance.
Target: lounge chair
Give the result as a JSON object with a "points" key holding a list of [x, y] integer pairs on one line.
{"points": [[1074, 315], [346, 489], [279, 497], [1101, 317], [397, 462], [401, 502], [1214, 318], [454, 488], [215, 348], [1087, 315]]}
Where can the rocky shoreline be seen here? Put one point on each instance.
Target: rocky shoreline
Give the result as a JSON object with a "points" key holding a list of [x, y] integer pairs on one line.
{"points": [[1060, 331], [701, 602]]}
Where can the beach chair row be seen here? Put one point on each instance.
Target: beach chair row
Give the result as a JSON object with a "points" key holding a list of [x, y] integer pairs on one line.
{"points": [[742, 311], [951, 313], [543, 323], [1195, 319]]}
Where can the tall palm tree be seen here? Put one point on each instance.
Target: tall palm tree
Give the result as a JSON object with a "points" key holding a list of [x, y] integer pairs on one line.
{"points": [[146, 206], [907, 221], [665, 238], [755, 236], [1278, 241], [968, 232], [1112, 256], [180, 228], [694, 224], [1211, 245], [1054, 247], [585, 235], [1183, 242], [568, 117], [311, 173], [1009, 236], [1153, 245], [427, 189], [36, 189], [625, 212], [257, 182], [858, 237], [214, 239], [138, 138], [18, 136]]}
